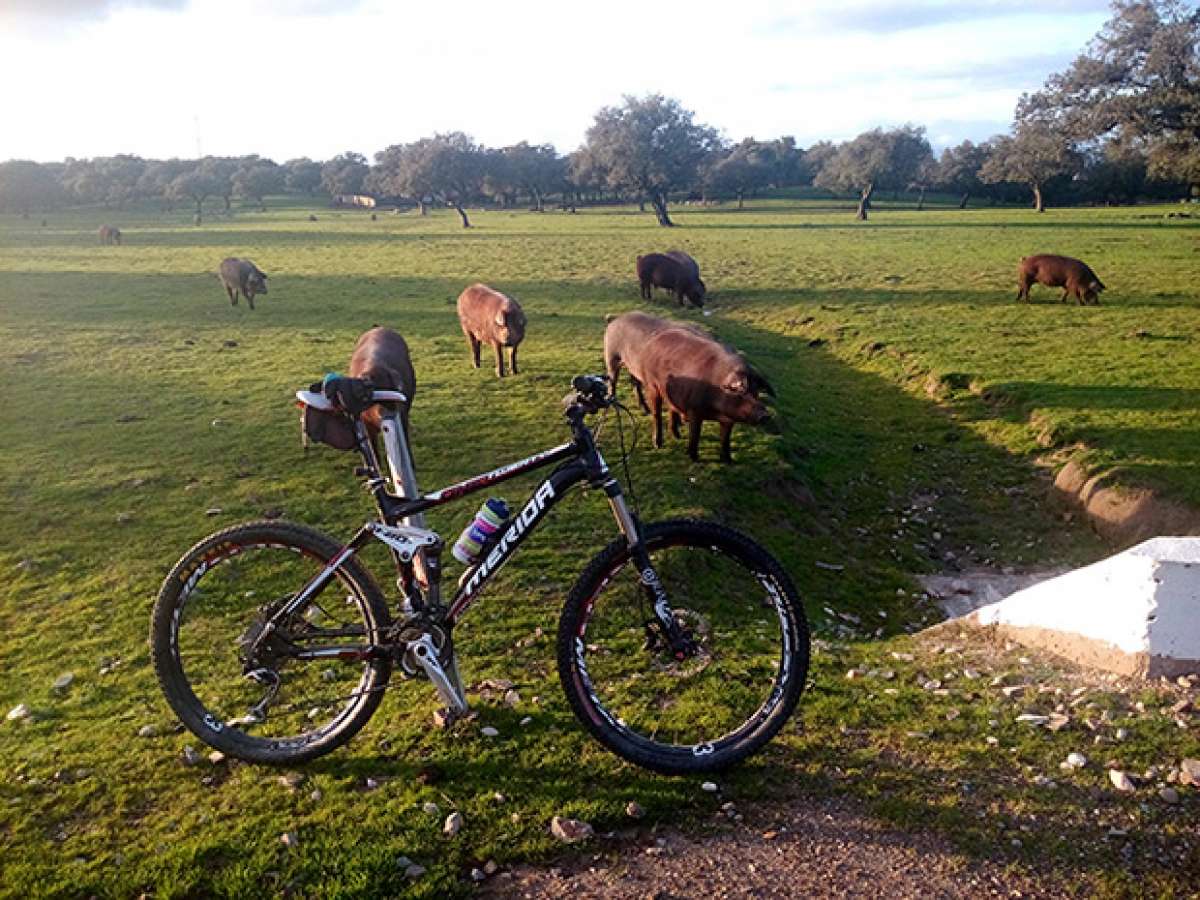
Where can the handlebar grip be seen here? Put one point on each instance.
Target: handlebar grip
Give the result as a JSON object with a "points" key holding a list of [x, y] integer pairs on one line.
{"points": [[590, 385]]}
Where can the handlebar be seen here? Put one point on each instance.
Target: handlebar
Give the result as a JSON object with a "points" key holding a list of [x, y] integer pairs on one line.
{"points": [[318, 400], [590, 394]]}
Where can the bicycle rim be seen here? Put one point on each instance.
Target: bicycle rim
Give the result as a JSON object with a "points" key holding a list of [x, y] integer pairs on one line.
{"points": [[255, 692], [707, 703]]}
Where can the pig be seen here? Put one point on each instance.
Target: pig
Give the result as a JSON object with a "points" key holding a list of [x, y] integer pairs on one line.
{"points": [[241, 275], [625, 340], [689, 264], [1072, 275], [380, 355], [489, 317], [660, 270], [109, 234], [699, 379]]}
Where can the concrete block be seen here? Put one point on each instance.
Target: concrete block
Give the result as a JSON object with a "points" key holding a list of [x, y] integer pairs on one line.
{"points": [[1137, 613]]}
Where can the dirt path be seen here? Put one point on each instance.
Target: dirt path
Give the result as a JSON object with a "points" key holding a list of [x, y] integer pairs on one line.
{"points": [[804, 848]]}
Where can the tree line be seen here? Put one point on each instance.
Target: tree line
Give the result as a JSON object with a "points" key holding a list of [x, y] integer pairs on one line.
{"points": [[1121, 123]]}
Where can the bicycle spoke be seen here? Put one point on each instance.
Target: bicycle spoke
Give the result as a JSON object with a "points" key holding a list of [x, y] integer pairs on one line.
{"points": [[687, 696], [224, 638]]}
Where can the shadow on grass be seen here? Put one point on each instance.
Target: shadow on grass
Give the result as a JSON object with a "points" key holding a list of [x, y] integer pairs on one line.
{"points": [[1001, 295], [419, 306], [1049, 395]]}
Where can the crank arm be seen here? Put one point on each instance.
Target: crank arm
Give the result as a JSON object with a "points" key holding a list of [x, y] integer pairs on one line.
{"points": [[449, 689]]}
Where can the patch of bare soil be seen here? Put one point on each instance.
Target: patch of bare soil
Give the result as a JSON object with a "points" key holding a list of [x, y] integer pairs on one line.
{"points": [[1123, 516], [803, 848]]}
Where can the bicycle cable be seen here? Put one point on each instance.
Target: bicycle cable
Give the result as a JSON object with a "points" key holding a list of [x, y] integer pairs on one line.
{"points": [[625, 454], [648, 620]]}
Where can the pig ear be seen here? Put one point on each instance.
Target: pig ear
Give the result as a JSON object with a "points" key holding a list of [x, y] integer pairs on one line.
{"points": [[736, 384], [759, 382]]}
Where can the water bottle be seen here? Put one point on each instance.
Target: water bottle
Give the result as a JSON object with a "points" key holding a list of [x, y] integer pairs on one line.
{"points": [[491, 516]]}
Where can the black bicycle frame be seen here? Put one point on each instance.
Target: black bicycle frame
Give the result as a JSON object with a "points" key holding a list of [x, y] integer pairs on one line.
{"points": [[579, 461], [522, 522]]}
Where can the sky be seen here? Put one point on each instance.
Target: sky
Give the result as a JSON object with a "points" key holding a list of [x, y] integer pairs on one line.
{"points": [[163, 78]]}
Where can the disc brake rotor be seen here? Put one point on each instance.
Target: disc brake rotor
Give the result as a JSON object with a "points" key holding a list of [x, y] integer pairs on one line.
{"points": [[697, 628]]}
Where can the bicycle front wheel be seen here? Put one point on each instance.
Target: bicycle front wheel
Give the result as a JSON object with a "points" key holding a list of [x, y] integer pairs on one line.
{"points": [[717, 705], [250, 682]]}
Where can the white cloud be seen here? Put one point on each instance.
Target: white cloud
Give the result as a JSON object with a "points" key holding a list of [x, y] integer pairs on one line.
{"points": [[317, 78]]}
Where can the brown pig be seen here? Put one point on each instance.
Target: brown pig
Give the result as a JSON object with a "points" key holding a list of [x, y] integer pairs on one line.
{"points": [[688, 262], [241, 276], [625, 341], [699, 379], [490, 317], [680, 277], [1074, 276], [380, 355]]}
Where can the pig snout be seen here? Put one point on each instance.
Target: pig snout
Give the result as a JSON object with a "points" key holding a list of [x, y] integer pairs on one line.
{"points": [[759, 414], [750, 410]]}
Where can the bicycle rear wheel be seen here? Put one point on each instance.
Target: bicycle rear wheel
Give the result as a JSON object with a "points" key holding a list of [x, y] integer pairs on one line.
{"points": [[238, 683], [713, 708]]}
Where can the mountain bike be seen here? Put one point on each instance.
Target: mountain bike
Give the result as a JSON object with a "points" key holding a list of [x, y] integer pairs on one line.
{"points": [[682, 646]]}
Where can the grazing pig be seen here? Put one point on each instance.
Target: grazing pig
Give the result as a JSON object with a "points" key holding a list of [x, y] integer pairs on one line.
{"points": [[625, 341], [241, 275], [380, 355], [490, 317], [660, 270], [699, 379], [109, 234], [1072, 275], [689, 264]]}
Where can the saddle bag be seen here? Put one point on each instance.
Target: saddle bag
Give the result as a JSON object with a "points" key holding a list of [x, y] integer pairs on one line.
{"points": [[334, 429]]}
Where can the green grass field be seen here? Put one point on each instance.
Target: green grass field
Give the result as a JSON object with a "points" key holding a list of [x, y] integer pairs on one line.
{"points": [[138, 400]]}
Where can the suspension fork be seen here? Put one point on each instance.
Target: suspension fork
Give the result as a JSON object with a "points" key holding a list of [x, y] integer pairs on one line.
{"points": [[680, 642]]}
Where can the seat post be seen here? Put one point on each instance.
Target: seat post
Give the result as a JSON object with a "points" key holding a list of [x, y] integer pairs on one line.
{"points": [[404, 483], [399, 457]]}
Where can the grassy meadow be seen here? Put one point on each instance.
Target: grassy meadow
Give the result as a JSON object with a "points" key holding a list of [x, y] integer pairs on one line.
{"points": [[142, 412]]}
